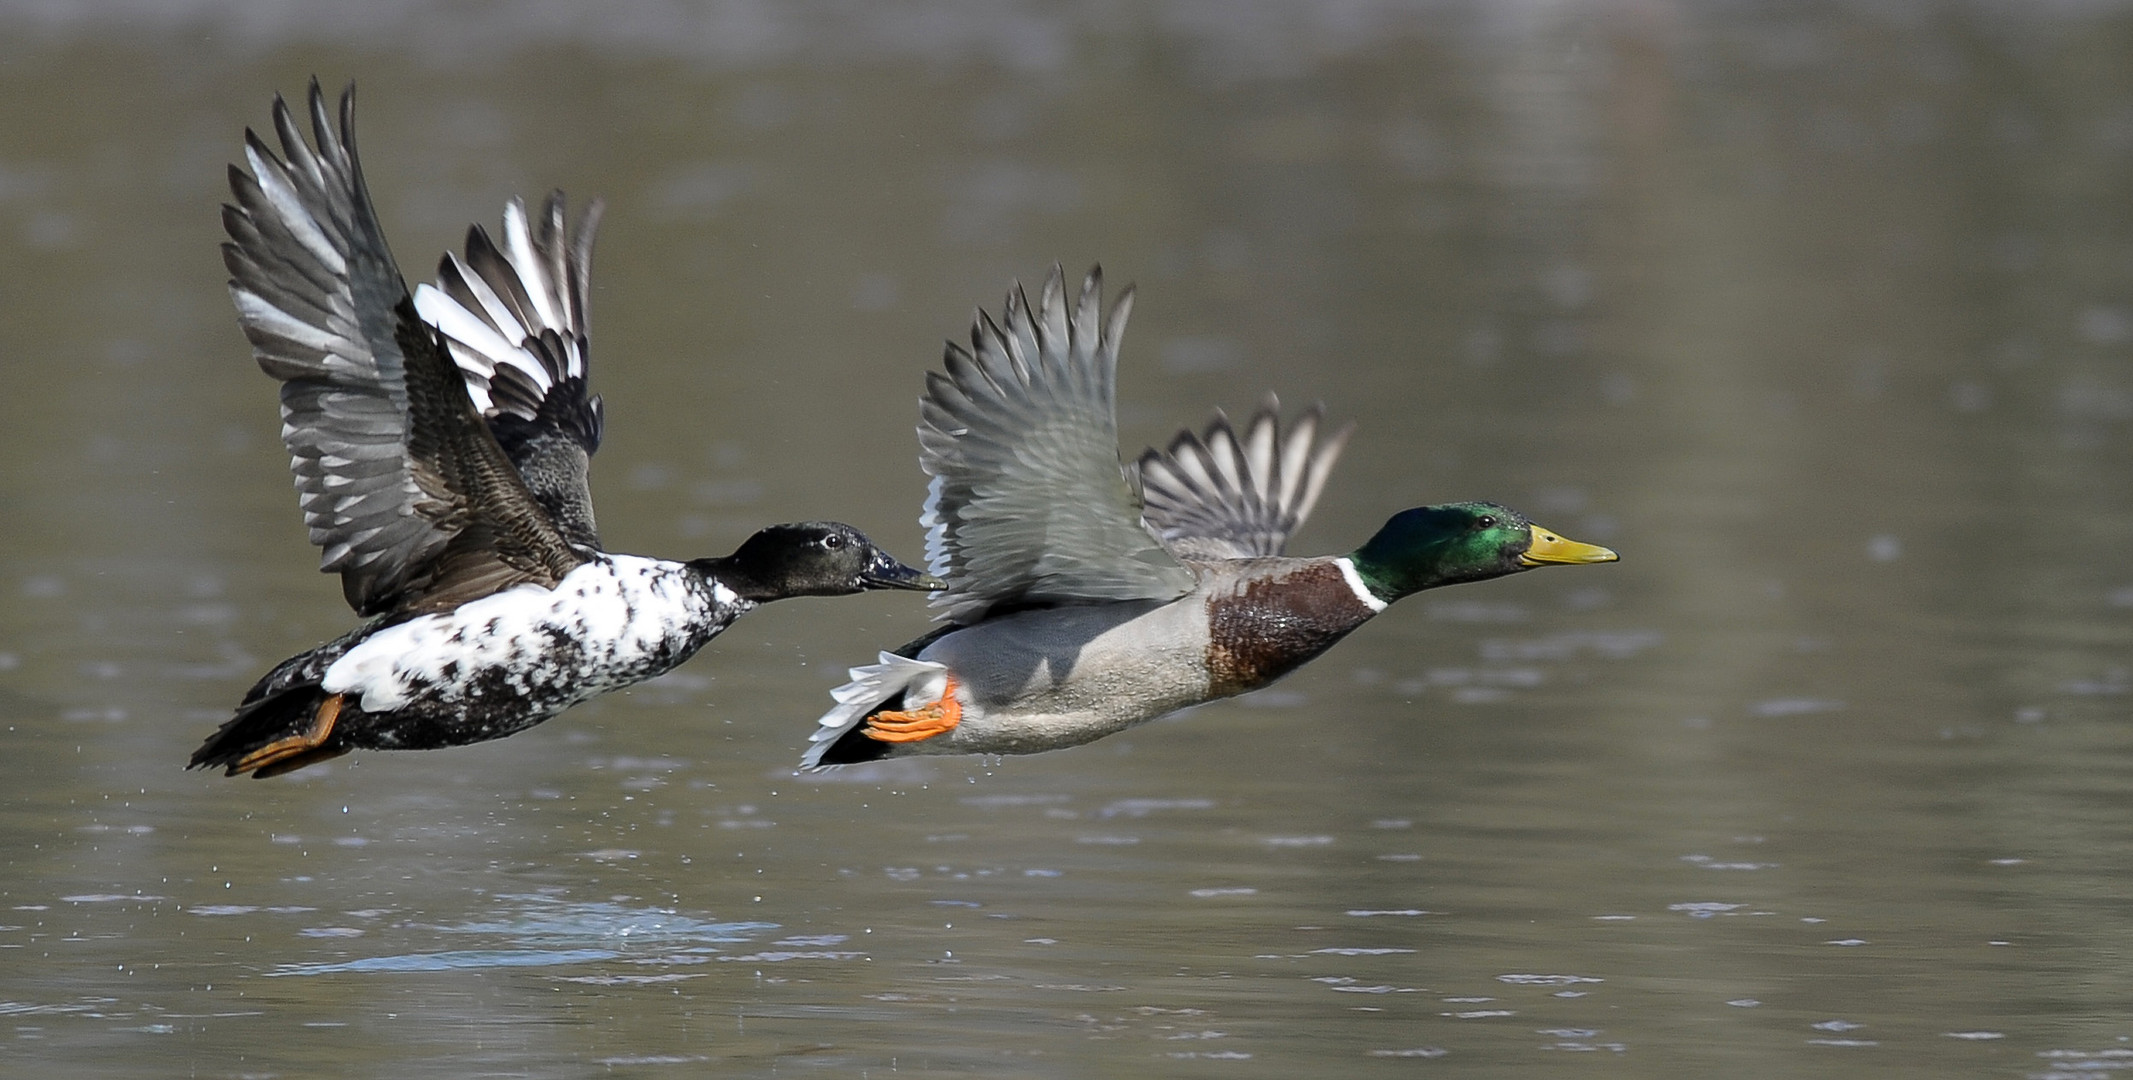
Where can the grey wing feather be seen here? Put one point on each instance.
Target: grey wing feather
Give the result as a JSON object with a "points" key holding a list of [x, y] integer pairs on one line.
{"points": [[387, 478], [517, 321], [314, 287], [1222, 495], [1029, 503]]}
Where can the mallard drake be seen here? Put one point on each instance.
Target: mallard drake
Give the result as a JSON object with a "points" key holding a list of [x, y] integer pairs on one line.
{"points": [[1085, 596], [441, 443]]}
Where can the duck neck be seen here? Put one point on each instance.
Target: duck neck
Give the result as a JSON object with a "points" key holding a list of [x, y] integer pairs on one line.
{"points": [[1389, 569], [1424, 548], [736, 578]]}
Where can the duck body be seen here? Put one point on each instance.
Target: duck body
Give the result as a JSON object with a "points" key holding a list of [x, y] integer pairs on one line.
{"points": [[1050, 678], [1086, 596], [507, 661], [501, 664], [441, 443]]}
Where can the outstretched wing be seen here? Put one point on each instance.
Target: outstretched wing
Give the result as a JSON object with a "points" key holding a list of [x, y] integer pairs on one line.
{"points": [[1029, 503], [1219, 495], [401, 483], [516, 320]]}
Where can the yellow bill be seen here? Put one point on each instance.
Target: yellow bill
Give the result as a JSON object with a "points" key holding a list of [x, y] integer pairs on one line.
{"points": [[1551, 550]]}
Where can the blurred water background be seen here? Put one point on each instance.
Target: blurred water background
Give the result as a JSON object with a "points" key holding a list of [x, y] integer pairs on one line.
{"points": [[1822, 314]]}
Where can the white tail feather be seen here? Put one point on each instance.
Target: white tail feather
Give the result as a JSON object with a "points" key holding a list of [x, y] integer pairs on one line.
{"points": [[921, 682]]}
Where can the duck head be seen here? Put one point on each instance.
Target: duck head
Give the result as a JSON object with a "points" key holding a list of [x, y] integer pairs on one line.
{"points": [[1452, 543], [810, 558]]}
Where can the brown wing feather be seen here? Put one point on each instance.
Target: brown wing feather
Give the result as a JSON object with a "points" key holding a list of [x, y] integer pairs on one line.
{"points": [[502, 537]]}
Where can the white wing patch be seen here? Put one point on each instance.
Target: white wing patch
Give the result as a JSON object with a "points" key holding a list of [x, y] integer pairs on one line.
{"points": [[494, 332]]}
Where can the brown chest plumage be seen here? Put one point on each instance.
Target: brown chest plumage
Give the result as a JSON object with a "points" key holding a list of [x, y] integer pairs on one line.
{"points": [[1267, 626]]}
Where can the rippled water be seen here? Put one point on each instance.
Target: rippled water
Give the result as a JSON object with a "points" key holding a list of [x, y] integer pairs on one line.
{"points": [[1824, 319]]}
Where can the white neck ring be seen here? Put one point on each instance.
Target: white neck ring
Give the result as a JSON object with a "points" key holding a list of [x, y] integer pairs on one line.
{"points": [[1355, 582]]}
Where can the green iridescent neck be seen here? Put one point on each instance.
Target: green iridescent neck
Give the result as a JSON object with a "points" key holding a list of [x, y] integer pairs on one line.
{"points": [[1430, 546]]}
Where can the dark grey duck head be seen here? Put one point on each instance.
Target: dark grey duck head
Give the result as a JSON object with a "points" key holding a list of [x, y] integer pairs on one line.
{"points": [[810, 558]]}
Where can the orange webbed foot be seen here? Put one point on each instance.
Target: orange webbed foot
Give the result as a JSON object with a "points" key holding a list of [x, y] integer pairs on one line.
{"points": [[915, 725], [295, 751]]}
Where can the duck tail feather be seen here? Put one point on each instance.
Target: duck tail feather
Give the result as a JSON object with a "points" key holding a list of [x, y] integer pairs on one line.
{"points": [[259, 722], [836, 739]]}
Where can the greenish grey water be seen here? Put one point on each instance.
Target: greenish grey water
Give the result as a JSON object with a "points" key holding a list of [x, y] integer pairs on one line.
{"points": [[1823, 318]]}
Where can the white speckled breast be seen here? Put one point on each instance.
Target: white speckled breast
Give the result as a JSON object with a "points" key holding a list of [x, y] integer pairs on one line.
{"points": [[513, 659]]}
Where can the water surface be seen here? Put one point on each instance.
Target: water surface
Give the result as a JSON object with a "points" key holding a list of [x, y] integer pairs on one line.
{"points": [[1824, 319]]}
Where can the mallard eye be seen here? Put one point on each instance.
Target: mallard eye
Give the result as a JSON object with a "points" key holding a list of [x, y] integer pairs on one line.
{"points": [[1485, 521], [833, 541]]}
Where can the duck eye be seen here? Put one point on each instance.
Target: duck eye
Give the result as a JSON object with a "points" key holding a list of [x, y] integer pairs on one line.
{"points": [[1485, 521], [833, 541]]}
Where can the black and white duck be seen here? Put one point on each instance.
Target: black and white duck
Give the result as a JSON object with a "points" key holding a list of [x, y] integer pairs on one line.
{"points": [[441, 443]]}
